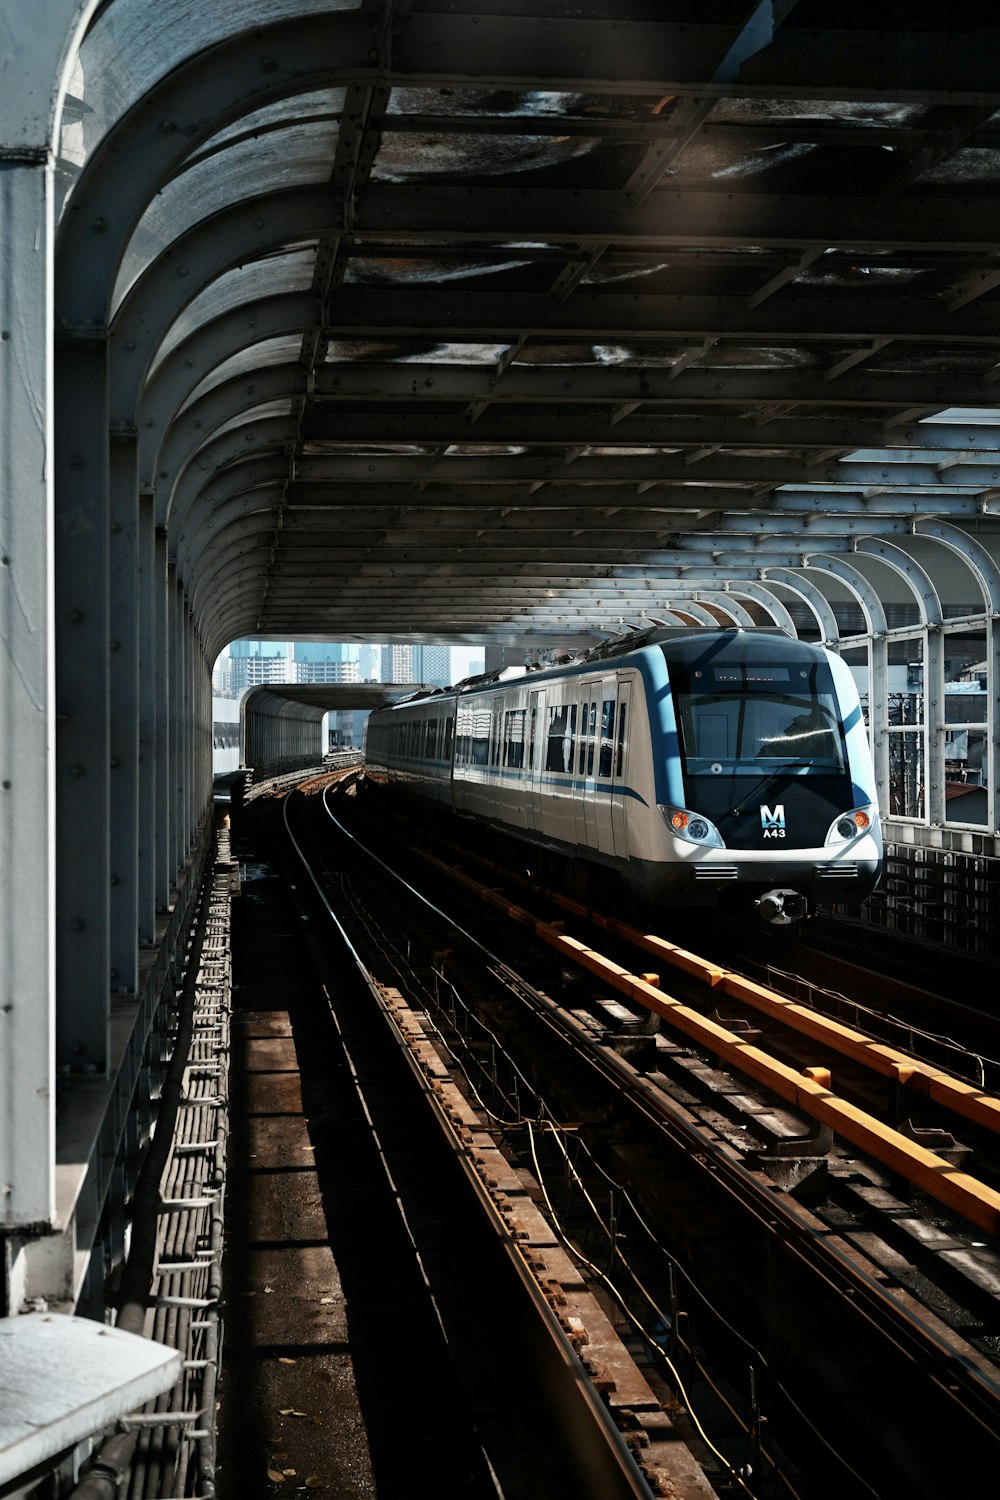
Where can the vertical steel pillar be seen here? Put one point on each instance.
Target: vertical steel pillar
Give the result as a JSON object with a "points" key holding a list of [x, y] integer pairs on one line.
{"points": [[189, 723], [878, 714], [124, 713], [175, 605], [934, 726], [82, 697], [150, 584], [162, 596], [27, 855]]}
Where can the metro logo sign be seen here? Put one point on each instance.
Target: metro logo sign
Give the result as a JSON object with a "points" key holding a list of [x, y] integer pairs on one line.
{"points": [[772, 821]]}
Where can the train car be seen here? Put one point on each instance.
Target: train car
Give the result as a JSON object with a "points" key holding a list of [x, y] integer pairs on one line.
{"points": [[696, 767]]}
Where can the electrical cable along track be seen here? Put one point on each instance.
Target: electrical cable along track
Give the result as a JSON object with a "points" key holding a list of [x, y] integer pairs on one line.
{"points": [[810, 1353]]}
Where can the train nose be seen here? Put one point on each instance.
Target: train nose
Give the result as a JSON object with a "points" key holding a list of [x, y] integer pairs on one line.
{"points": [[779, 907]]}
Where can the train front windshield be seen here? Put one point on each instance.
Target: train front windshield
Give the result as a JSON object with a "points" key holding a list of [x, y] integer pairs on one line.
{"points": [[739, 717]]}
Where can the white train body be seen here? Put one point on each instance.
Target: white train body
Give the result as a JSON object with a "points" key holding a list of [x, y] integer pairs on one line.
{"points": [[697, 765]]}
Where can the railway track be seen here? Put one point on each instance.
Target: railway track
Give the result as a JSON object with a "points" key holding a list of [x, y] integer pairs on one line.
{"points": [[469, 1365], [893, 1067], [841, 1281]]}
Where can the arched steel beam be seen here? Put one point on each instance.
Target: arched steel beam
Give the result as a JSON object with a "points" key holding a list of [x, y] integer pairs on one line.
{"points": [[750, 589], [925, 593], [232, 546], [979, 562], [176, 377], [230, 551], [237, 591], [864, 592], [810, 595], [987, 574], [237, 530], [239, 527], [189, 437], [878, 659], [245, 477], [232, 236], [149, 144], [914, 575], [695, 611], [729, 605], [268, 439]]}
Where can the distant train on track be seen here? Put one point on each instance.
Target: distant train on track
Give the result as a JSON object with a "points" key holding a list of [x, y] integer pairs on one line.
{"points": [[696, 767]]}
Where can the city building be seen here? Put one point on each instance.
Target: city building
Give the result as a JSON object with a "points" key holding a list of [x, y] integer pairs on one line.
{"points": [[325, 661], [252, 663], [397, 664], [432, 665]]}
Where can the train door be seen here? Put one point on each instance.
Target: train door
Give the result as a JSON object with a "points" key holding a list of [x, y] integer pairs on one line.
{"points": [[586, 766], [617, 761], [535, 757], [604, 764]]}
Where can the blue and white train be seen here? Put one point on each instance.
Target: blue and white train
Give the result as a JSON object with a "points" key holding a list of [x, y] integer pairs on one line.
{"points": [[694, 766]]}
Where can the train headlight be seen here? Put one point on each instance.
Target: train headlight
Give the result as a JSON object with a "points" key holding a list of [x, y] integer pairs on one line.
{"points": [[692, 827], [851, 825]]}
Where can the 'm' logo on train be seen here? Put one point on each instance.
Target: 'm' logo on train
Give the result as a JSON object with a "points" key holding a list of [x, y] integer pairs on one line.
{"points": [[772, 821]]}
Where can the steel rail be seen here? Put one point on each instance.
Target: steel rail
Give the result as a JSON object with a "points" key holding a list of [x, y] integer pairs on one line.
{"points": [[914, 1334], [607, 1447], [808, 1091], [964, 1099]]}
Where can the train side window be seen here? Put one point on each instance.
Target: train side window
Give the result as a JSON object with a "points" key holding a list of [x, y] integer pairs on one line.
{"points": [[449, 726], [481, 725], [591, 734], [621, 741], [513, 738], [530, 761], [559, 746], [463, 742]]}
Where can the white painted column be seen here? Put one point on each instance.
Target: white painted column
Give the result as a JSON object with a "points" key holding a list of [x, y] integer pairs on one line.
{"points": [[27, 856]]}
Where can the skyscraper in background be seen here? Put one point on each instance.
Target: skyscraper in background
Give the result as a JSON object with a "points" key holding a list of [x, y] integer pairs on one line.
{"points": [[369, 663], [254, 662], [250, 663], [397, 664], [325, 661], [432, 665]]}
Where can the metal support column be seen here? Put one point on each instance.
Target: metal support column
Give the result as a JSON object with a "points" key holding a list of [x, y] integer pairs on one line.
{"points": [[934, 726], [175, 599], [124, 710], [82, 698], [150, 588], [162, 595], [27, 922]]}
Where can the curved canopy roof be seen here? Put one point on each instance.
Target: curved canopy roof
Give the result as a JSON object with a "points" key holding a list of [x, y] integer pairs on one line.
{"points": [[489, 321]]}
